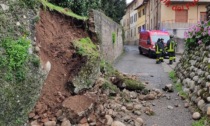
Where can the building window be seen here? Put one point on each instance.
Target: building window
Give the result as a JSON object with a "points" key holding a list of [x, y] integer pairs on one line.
{"points": [[139, 13], [134, 32], [143, 11], [139, 28], [203, 16], [143, 27]]}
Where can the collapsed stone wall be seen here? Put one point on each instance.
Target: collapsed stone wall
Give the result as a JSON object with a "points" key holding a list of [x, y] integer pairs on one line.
{"points": [[193, 73], [105, 28]]}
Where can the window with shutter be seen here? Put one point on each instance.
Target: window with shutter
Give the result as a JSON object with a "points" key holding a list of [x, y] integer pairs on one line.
{"points": [[181, 16], [203, 16]]}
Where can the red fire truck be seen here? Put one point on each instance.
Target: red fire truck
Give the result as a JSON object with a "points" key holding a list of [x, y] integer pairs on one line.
{"points": [[147, 40]]}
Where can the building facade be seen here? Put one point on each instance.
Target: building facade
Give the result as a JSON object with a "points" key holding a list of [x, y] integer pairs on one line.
{"points": [[174, 16], [133, 21]]}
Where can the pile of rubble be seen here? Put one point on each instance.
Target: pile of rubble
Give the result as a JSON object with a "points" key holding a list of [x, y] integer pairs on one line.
{"points": [[99, 107]]}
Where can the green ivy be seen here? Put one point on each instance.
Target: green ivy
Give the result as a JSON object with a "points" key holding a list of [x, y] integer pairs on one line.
{"points": [[113, 37]]}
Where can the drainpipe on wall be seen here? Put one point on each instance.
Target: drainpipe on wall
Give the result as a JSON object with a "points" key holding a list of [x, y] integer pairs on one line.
{"points": [[145, 8], [149, 15], [157, 16], [197, 13]]}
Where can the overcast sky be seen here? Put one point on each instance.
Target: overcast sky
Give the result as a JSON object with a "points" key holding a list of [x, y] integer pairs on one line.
{"points": [[128, 1]]}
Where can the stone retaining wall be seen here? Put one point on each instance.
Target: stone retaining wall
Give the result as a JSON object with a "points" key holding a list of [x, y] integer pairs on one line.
{"points": [[193, 73], [104, 28]]}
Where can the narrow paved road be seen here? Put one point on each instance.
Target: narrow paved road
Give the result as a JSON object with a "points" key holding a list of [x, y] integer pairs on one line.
{"points": [[157, 76]]}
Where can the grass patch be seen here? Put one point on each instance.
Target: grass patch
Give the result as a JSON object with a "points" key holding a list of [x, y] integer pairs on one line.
{"points": [[173, 77], [179, 89], [110, 86], [85, 47], [178, 86], [204, 121], [107, 69], [133, 84], [62, 10], [13, 58]]}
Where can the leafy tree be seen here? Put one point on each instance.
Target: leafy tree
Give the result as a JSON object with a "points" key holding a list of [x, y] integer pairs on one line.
{"points": [[115, 9]]}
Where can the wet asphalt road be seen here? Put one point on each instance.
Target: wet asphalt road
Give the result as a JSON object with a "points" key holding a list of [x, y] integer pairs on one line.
{"points": [[157, 76]]}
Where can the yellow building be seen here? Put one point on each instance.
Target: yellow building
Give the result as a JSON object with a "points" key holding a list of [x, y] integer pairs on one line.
{"points": [[133, 21], [175, 16]]}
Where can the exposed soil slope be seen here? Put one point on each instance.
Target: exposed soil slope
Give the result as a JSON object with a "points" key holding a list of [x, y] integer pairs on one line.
{"points": [[54, 35]]}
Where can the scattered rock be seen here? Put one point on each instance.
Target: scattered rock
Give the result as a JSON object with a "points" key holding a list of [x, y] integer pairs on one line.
{"points": [[45, 120], [196, 78], [137, 107], [50, 123], [126, 118], [18, 23], [168, 97], [133, 95], [109, 120], [168, 88], [208, 110], [117, 123], [31, 115], [37, 49], [208, 99], [86, 124], [123, 108], [150, 97], [176, 105], [170, 107], [110, 112], [59, 113], [75, 113], [129, 106], [138, 113], [201, 104], [4, 7], [34, 123], [186, 105], [148, 111], [196, 116], [66, 123], [139, 122], [83, 120], [48, 66]]}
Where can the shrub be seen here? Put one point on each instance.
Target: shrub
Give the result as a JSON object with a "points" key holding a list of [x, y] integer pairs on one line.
{"points": [[14, 55], [197, 35]]}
